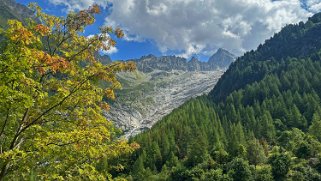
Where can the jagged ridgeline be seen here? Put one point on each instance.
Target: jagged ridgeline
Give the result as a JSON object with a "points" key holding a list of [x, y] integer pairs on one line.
{"points": [[262, 121]]}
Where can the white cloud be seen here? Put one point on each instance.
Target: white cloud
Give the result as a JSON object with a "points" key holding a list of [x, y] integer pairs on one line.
{"points": [[131, 37], [314, 5], [204, 25], [110, 51], [73, 5], [201, 26]]}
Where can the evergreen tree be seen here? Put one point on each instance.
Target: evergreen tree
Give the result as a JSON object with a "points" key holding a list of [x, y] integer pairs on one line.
{"points": [[315, 128], [197, 151], [267, 127], [255, 152]]}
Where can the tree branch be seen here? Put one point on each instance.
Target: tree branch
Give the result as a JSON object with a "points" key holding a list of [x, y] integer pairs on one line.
{"points": [[56, 105], [5, 121], [48, 44]]}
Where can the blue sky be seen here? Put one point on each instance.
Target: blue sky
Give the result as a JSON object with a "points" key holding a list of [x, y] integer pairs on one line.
{"points": [[126, 49], [188, 27]]}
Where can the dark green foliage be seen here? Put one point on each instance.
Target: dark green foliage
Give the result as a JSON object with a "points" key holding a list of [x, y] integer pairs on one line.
{"points": [[263, 173], [255, 153], [239, 170], [196, 151], [304, 150], [215, 175], [318, 166], [315, 128], [305, 172], [280, 163]]}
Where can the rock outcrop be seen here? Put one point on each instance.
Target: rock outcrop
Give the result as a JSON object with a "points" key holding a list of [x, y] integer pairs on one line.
{"points": [[221, 59]]}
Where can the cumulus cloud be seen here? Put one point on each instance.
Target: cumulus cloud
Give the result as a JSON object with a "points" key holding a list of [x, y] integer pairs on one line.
{"points": [[205, 25], [74, 5], [202, 26], [110, 51], [314, 5]]}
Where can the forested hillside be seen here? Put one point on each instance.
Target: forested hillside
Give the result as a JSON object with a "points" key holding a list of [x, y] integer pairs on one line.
{"points": [[262, 121], [299, 41]]}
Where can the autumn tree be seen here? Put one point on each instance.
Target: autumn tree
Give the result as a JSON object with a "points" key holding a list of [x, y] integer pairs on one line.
{"points": [[51, 98]]}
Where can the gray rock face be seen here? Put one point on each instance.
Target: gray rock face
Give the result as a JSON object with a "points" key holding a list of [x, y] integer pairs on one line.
{"points": [[104, 59], [159, 85], [153, 95], [221, 59]]}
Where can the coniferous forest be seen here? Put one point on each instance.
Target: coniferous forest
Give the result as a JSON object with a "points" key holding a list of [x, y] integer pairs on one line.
{"points": [[262, 121]]}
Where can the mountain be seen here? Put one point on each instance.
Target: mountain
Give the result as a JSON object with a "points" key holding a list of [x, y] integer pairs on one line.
{"points": [[262, 120], [9, 9], [159, 85], [104, 59], [219, 60], [222, 58]]}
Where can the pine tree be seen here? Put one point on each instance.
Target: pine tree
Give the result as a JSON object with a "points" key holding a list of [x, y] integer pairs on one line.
{"points": [[138, 169], [255, 152], [315, 128], [197, 151], [296, 119], [267, 127]]}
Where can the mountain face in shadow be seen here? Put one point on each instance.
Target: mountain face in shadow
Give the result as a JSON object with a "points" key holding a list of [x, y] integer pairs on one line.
{"points": [[9, 9]]}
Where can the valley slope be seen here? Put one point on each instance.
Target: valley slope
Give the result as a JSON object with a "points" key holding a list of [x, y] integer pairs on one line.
{"points": [[262, 121], [9, 9], [160, 85]]}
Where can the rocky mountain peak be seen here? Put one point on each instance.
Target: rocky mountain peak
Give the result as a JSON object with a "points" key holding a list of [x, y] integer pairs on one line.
{"points": [[222, 58], [221, 54], [149, 56], [223, 51], [104, 59], [194, 59]]}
